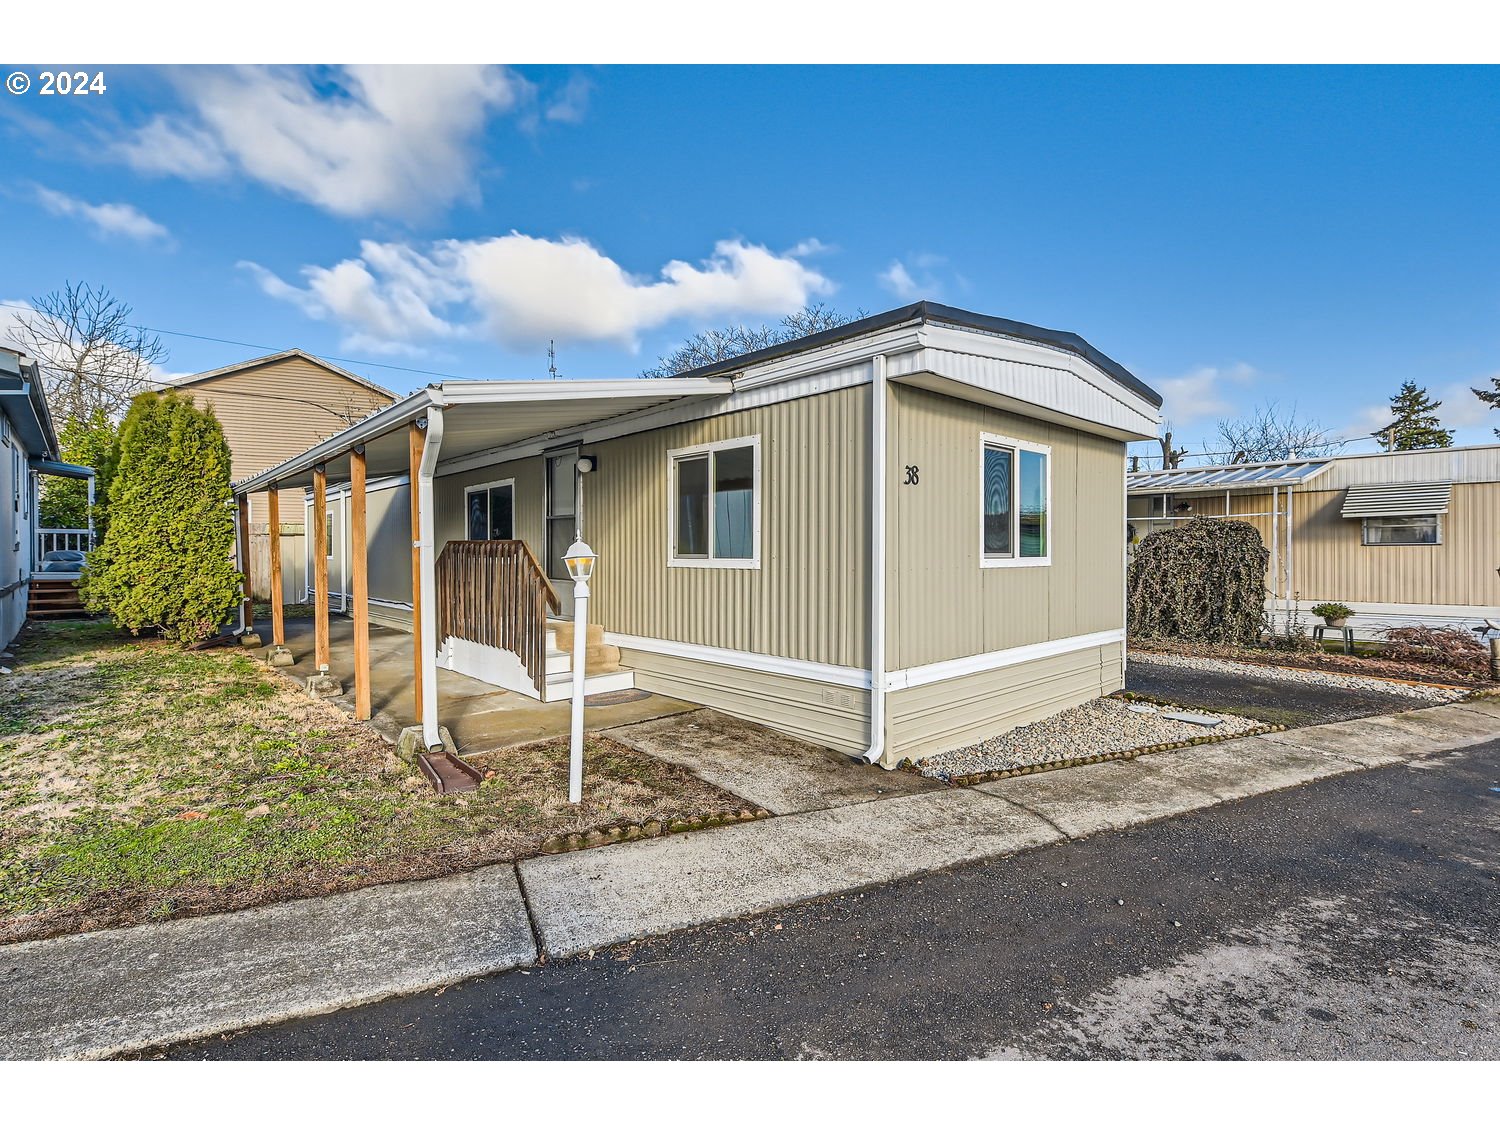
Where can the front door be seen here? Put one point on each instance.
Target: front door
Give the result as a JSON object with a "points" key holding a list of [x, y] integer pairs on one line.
{"points": [[562, 523]]}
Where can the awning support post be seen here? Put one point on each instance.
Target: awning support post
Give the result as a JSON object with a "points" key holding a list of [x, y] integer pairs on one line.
{"points": [[247, 587], [278, 610], [426, 575], [320, 570], [360, 583]]}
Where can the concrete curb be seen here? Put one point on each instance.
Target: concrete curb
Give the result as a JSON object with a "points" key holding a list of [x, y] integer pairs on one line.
{"points": [[97, 994]]}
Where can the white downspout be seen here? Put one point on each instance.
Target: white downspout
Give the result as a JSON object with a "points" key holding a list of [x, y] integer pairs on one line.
{"points": [[1275, 556], [1291, 563], [427, 576], [877, 559]]}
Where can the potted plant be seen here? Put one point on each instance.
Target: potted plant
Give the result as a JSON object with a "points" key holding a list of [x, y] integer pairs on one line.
{"points": [[1334, 614]]}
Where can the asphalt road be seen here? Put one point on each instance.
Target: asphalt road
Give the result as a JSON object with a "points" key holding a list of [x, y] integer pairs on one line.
{"points": [[1353, 918], [1271, 701]]}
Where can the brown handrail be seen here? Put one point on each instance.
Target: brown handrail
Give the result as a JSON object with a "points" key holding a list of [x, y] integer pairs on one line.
{"points": [[494, 592]]}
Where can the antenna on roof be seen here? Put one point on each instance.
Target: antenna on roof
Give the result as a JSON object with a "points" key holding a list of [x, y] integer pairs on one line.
{"points": [[552, 358]]}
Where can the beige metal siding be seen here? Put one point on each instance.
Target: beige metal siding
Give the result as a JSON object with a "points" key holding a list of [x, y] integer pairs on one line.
{"points": [[941, 603], [277, 410], [837, 717], [1331, 564], [808, 599], [451, 515], [936, 718]]}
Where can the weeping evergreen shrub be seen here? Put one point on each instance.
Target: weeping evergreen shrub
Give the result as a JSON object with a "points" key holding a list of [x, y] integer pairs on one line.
{"points": [[166, 562], [1204, 581]]}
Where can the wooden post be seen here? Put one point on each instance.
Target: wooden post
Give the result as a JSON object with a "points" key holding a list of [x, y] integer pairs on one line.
{"points": [[416, 440], [249, 587], [278, 611], [320, 568], [360, 583]]}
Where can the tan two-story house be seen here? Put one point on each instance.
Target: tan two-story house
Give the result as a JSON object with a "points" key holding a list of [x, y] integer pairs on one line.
{"points": [[273, 407]]}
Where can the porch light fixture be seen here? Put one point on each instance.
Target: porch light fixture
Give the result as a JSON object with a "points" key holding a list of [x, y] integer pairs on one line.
{"points": [[588, 463], [580, 561]]}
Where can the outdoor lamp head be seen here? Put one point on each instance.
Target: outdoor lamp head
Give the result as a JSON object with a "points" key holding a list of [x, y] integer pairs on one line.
{"points": [[587, 463], [580, 561]]}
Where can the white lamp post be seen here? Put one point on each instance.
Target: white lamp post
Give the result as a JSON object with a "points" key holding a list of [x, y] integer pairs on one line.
{"points": [[580, 561]]}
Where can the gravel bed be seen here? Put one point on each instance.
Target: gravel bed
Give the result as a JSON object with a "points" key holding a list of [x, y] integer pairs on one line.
{"points": [[1429, 693], [1097, 727]]}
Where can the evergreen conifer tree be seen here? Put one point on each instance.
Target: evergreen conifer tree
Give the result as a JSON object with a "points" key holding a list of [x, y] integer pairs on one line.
{"points": [[166, 562], [1415, 424], [1490, 395]]}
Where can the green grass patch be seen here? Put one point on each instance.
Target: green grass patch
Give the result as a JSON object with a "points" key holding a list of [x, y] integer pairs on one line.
{"points": [[140, 781]]}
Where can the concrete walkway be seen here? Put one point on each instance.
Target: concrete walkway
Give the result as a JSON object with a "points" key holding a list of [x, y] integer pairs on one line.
{"points": [[92, 995]]}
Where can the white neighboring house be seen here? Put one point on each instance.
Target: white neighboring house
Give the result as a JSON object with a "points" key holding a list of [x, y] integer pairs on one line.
{"points": [[28, 450]]}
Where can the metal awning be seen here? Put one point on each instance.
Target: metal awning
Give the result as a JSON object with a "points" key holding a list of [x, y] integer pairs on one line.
{"points": [[481, 416], [61, 469], [1429, 498], [1222, 478]]}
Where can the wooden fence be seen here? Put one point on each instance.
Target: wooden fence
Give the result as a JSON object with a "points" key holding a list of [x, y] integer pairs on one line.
{"points": [[293, 562]]}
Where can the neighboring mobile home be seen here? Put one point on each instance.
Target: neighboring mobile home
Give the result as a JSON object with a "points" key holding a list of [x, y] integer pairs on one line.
{"points": [[931, 493], [39, 564], [271, 408], [1400, 538]]}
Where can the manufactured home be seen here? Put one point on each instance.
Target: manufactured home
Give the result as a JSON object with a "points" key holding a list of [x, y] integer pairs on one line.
{"points": [[38, 565], [892, 538], [1401, 538]]}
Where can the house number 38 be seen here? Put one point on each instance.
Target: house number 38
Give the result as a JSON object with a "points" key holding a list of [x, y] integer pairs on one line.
{"points": [[912, 473]]}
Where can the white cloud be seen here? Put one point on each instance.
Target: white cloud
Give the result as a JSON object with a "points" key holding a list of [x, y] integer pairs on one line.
{"points": [[1201, 393], [107, 219], [571, 103], [521, 291], [914, 277], [1462, 407], [356, 141]]}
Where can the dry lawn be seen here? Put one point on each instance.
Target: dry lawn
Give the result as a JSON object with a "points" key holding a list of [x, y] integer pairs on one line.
{"points": [[140, 782]]}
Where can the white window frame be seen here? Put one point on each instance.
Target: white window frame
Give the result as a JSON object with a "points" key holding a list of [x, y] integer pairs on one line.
{"points": [[1364, 530], [711, 563], [507, 482], [1016, 446]]}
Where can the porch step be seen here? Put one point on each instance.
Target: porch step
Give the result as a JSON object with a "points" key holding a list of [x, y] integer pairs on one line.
{"points": [[598, 657], [561, 634], [53, 597], [560, 686]]}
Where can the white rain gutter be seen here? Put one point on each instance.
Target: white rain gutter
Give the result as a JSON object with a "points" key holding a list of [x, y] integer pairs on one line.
{"points": [[427, 574], [877, 559]]}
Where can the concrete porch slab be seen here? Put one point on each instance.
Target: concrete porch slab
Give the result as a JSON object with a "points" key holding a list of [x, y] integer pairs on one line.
{"points": [[480, 716], [90, 995], [773, 770], [1088, 799], [1243, 767], [584, 900]]}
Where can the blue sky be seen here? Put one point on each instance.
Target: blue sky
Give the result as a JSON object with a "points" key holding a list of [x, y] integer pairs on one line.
{"points": [[1231, 235]]}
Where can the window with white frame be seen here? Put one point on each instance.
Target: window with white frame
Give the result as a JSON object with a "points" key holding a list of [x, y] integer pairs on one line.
{"points": [[715, 504], [1016, 502], [1402, 531], [491, 510]]}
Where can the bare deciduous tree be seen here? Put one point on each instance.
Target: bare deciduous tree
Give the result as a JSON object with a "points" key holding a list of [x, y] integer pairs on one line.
{"points": [[1270, 433], [717, 344], [91, 357]]}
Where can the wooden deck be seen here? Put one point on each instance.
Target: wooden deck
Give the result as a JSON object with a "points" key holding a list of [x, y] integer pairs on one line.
{"points": [[54, 595]]}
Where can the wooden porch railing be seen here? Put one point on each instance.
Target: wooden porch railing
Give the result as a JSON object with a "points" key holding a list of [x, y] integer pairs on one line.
{"points": [[494, 592]]}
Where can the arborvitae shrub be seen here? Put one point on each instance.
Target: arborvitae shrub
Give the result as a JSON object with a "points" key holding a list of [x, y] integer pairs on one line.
{"points": [[166, 562], [1204, 581]]}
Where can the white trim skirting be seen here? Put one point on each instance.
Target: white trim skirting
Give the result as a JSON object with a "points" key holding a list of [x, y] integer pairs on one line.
{"points": [[837, 674], [844, 676], [988, 661]]}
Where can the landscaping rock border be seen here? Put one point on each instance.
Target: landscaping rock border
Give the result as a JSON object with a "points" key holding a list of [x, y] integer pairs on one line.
{"points": [[616, 834]]}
